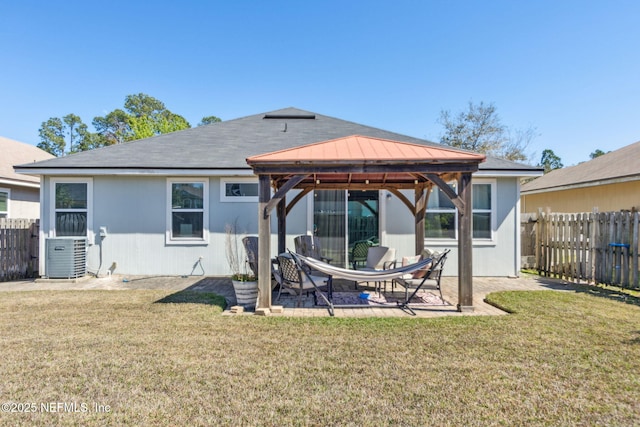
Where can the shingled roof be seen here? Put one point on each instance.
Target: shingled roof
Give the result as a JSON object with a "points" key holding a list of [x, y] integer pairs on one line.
{"points": [[622, 164], [227, 144], [16, 153]]}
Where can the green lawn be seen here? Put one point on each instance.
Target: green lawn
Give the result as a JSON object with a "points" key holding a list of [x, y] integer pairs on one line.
{"points": [[560, 359]]}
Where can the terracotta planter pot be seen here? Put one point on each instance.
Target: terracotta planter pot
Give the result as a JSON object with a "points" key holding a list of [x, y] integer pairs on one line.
{"points": [[246, 293]]}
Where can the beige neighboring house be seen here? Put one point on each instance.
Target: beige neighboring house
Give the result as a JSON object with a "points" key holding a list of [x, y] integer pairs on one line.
{"points": [[19, 193], [607, 183]]}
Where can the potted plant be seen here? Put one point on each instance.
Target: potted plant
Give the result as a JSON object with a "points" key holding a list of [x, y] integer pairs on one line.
{"points": [[245, 284]]}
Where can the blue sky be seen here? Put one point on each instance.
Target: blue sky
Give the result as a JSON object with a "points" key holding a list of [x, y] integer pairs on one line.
{"points": [[571, 69]]}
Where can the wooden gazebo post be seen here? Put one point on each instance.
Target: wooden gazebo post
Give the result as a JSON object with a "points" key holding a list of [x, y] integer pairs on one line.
{"points": [[465, 244], [419, 215], [264, 244]]}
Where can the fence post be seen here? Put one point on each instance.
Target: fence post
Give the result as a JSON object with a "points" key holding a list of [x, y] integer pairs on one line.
{"points": [[634, 250], [625, 252], [537, 231], [542, 245], [33, 248]]}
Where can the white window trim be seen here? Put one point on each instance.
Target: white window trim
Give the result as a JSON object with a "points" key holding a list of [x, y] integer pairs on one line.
{"points": [[8, 212], [494, 207], [223, 190], [52, 202], [476, 241], [169, 239]]}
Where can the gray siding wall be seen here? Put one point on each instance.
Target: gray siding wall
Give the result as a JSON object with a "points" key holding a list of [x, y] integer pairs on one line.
{"points": [[133, 209]]}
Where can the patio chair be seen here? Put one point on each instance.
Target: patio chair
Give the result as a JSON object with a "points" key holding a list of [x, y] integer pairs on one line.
{"points": [[430, 279], [309, 246], [296, 279], [359, 253], [251, 247], [379, 258]]}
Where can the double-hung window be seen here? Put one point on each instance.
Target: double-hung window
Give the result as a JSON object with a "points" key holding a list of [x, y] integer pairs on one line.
{"points": [[187, 216], [482, 211], [4, 202], [72, 203], [441, 220]]}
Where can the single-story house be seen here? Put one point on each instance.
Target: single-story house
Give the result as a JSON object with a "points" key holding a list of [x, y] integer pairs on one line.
{"points": [[19, 193], [607, 183], [160, 205]]}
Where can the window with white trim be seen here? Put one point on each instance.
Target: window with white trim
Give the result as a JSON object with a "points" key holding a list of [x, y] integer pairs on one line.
{"points": [[187, 215], [482, 211], [5, 194], [238, 190], [441, 221], [71, 214]]}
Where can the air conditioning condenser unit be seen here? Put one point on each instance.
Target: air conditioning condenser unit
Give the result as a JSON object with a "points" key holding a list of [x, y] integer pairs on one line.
{"points": [[66, 257]]}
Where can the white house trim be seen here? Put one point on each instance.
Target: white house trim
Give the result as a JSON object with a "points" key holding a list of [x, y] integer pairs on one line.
{"points": [[19, 183], [7, 213], [136, 171], [506, 174]]}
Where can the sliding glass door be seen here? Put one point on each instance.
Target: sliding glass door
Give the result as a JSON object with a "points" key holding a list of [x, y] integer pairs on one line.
{"points": [[363, 216], [342, 218], [329, 223]]}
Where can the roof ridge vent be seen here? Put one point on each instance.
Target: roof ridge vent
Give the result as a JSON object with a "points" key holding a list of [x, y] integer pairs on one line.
{"points": [[289, 116]]}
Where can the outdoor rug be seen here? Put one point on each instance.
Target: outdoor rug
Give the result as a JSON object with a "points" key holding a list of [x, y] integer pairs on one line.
{"points": [[354, 298]]}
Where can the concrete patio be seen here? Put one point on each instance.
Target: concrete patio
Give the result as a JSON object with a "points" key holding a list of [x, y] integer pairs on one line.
{"points": [[222, 286]]}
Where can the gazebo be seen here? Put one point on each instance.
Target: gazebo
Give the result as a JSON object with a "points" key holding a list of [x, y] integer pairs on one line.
{"points": [[365, 163]]}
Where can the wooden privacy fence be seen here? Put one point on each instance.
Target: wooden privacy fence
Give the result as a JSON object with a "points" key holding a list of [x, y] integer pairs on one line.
{"points": [[592, 247], [18, 248]]}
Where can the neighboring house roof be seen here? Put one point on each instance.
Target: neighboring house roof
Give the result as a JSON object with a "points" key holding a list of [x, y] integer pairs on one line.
{"points": [[616, 166], [17, 153], [227, 145]]}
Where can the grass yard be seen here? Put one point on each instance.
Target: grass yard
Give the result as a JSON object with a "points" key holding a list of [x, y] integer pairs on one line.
{"points": [[560, 359]]}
